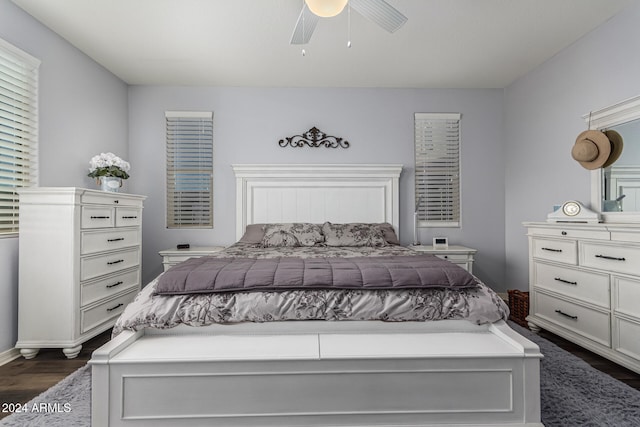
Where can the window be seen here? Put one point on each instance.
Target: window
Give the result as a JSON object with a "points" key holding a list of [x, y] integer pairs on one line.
{"points": [[437, 166], [18, 130], [189, 169]]}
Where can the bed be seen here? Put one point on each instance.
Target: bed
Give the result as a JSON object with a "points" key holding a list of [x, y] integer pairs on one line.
{"points": [[361, 356]]}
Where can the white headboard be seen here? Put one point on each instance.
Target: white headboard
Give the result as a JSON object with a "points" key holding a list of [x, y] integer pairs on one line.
{"points": [[316, 193]]}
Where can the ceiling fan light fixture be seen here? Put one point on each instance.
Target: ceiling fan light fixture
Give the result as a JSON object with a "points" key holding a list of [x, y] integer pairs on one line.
{"points": [[326, 8]]}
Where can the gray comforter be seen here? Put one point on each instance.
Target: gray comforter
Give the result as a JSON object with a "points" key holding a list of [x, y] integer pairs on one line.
{"points": [[478, 304], [209, 274]]}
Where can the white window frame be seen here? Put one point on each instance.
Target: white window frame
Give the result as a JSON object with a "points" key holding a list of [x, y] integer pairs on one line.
{"points": [[191, 133], [18, 131], [437, 169]]}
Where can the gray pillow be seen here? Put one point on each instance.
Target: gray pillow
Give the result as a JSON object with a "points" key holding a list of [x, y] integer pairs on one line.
{"points": [[389, 233], [253, 234]]}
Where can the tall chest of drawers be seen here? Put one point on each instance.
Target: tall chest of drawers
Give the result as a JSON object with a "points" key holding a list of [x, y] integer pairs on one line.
{"points": [[79, 265], [584, 283]]}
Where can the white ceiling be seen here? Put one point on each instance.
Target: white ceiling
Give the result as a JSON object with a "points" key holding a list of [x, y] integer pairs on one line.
{"points": [[444, 44]]}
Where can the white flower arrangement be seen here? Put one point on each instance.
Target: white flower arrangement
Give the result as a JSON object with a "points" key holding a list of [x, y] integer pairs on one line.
{"points": [[108, 164]]}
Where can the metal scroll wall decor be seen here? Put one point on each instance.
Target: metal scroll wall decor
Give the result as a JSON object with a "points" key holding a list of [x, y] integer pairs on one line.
{"points": [[314, 138]]}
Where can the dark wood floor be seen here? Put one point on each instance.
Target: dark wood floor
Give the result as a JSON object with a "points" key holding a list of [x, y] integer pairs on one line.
{"points": [[21, 380]]}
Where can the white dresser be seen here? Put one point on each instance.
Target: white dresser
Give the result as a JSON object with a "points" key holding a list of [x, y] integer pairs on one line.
{"points": [[79, 265], [584, 283]]}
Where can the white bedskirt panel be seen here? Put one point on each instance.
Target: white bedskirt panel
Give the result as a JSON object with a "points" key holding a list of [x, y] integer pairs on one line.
{"points": [[481, 376]]}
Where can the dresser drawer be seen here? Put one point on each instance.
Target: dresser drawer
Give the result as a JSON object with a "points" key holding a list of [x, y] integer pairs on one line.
{"points": [[621, 259], [455, 258], [623, 233], [565, 251], [105, 198], [99, 265], [171, 257], [580, 284], [100, 241], [128, 217], [98, 217], [95, 316], [173, 260], [105, 288], [626, 297], [626, 339], [570, 233], [463, 261], [587, 322]]}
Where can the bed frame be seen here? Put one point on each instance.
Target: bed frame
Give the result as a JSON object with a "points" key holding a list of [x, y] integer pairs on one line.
{"points": [[316, 373]]}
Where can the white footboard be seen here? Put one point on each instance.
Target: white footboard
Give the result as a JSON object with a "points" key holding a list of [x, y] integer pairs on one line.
{"points": [[319, 374]]}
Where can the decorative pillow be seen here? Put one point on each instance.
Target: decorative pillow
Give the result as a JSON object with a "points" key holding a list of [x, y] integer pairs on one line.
{"points": [[389, 233], [353, 234], [279, 238], [253, 234], [292, 234]]}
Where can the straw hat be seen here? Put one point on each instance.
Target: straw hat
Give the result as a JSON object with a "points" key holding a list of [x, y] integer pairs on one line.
{"points": [[592, 149], [616, 147]]}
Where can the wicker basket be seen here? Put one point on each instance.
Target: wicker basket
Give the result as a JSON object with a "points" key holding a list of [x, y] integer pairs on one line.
{"points": [[518, 306]]}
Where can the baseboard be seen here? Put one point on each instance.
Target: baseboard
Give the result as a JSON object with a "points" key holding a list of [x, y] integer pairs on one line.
{"points": [[9, 355]]}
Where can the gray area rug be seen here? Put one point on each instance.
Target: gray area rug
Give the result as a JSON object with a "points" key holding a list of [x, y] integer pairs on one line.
{"points": [[572, 393]]}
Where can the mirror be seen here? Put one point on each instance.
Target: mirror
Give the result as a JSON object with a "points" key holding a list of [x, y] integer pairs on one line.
{"points": [[615, 190], [621, 180]]}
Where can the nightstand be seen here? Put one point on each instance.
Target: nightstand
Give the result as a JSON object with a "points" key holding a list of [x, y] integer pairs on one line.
{"points": [[171, 257], [460, 255]]}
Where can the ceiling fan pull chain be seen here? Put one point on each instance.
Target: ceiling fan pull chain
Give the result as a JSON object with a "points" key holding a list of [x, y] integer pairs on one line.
{"points": [[304, 4], [349, 25]]}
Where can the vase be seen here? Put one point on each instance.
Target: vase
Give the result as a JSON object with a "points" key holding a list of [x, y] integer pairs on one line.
{"points": [[110, 183]]}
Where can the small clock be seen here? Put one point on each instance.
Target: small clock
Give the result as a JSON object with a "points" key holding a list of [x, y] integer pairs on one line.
{"points": [[440, 243], [571, 208], [573, 211]]}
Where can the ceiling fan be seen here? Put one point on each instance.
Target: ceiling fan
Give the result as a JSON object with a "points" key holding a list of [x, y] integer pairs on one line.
{"points": [[377, 11]]}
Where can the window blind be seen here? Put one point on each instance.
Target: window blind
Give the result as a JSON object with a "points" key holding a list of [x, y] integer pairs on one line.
{"points": [[189, 169], [18, 130], [437, 169]]}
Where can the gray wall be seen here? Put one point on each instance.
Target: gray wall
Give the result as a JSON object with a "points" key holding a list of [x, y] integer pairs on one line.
{"points": [[543, 117], [248, 122], [83, 111]]}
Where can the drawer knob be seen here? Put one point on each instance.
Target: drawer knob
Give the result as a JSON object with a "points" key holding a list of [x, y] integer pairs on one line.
{"points": [[611, 257], [115, 240], [565, 281], [564, 233], [562, 313], [99, 217], [115, 284], [552, 250], [115, 262], [116, 201], [129, 217], [115, 307]]}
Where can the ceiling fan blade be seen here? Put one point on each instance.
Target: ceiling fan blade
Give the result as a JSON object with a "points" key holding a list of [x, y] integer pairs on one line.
{"points": [[380, 12], [304, 27]]}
